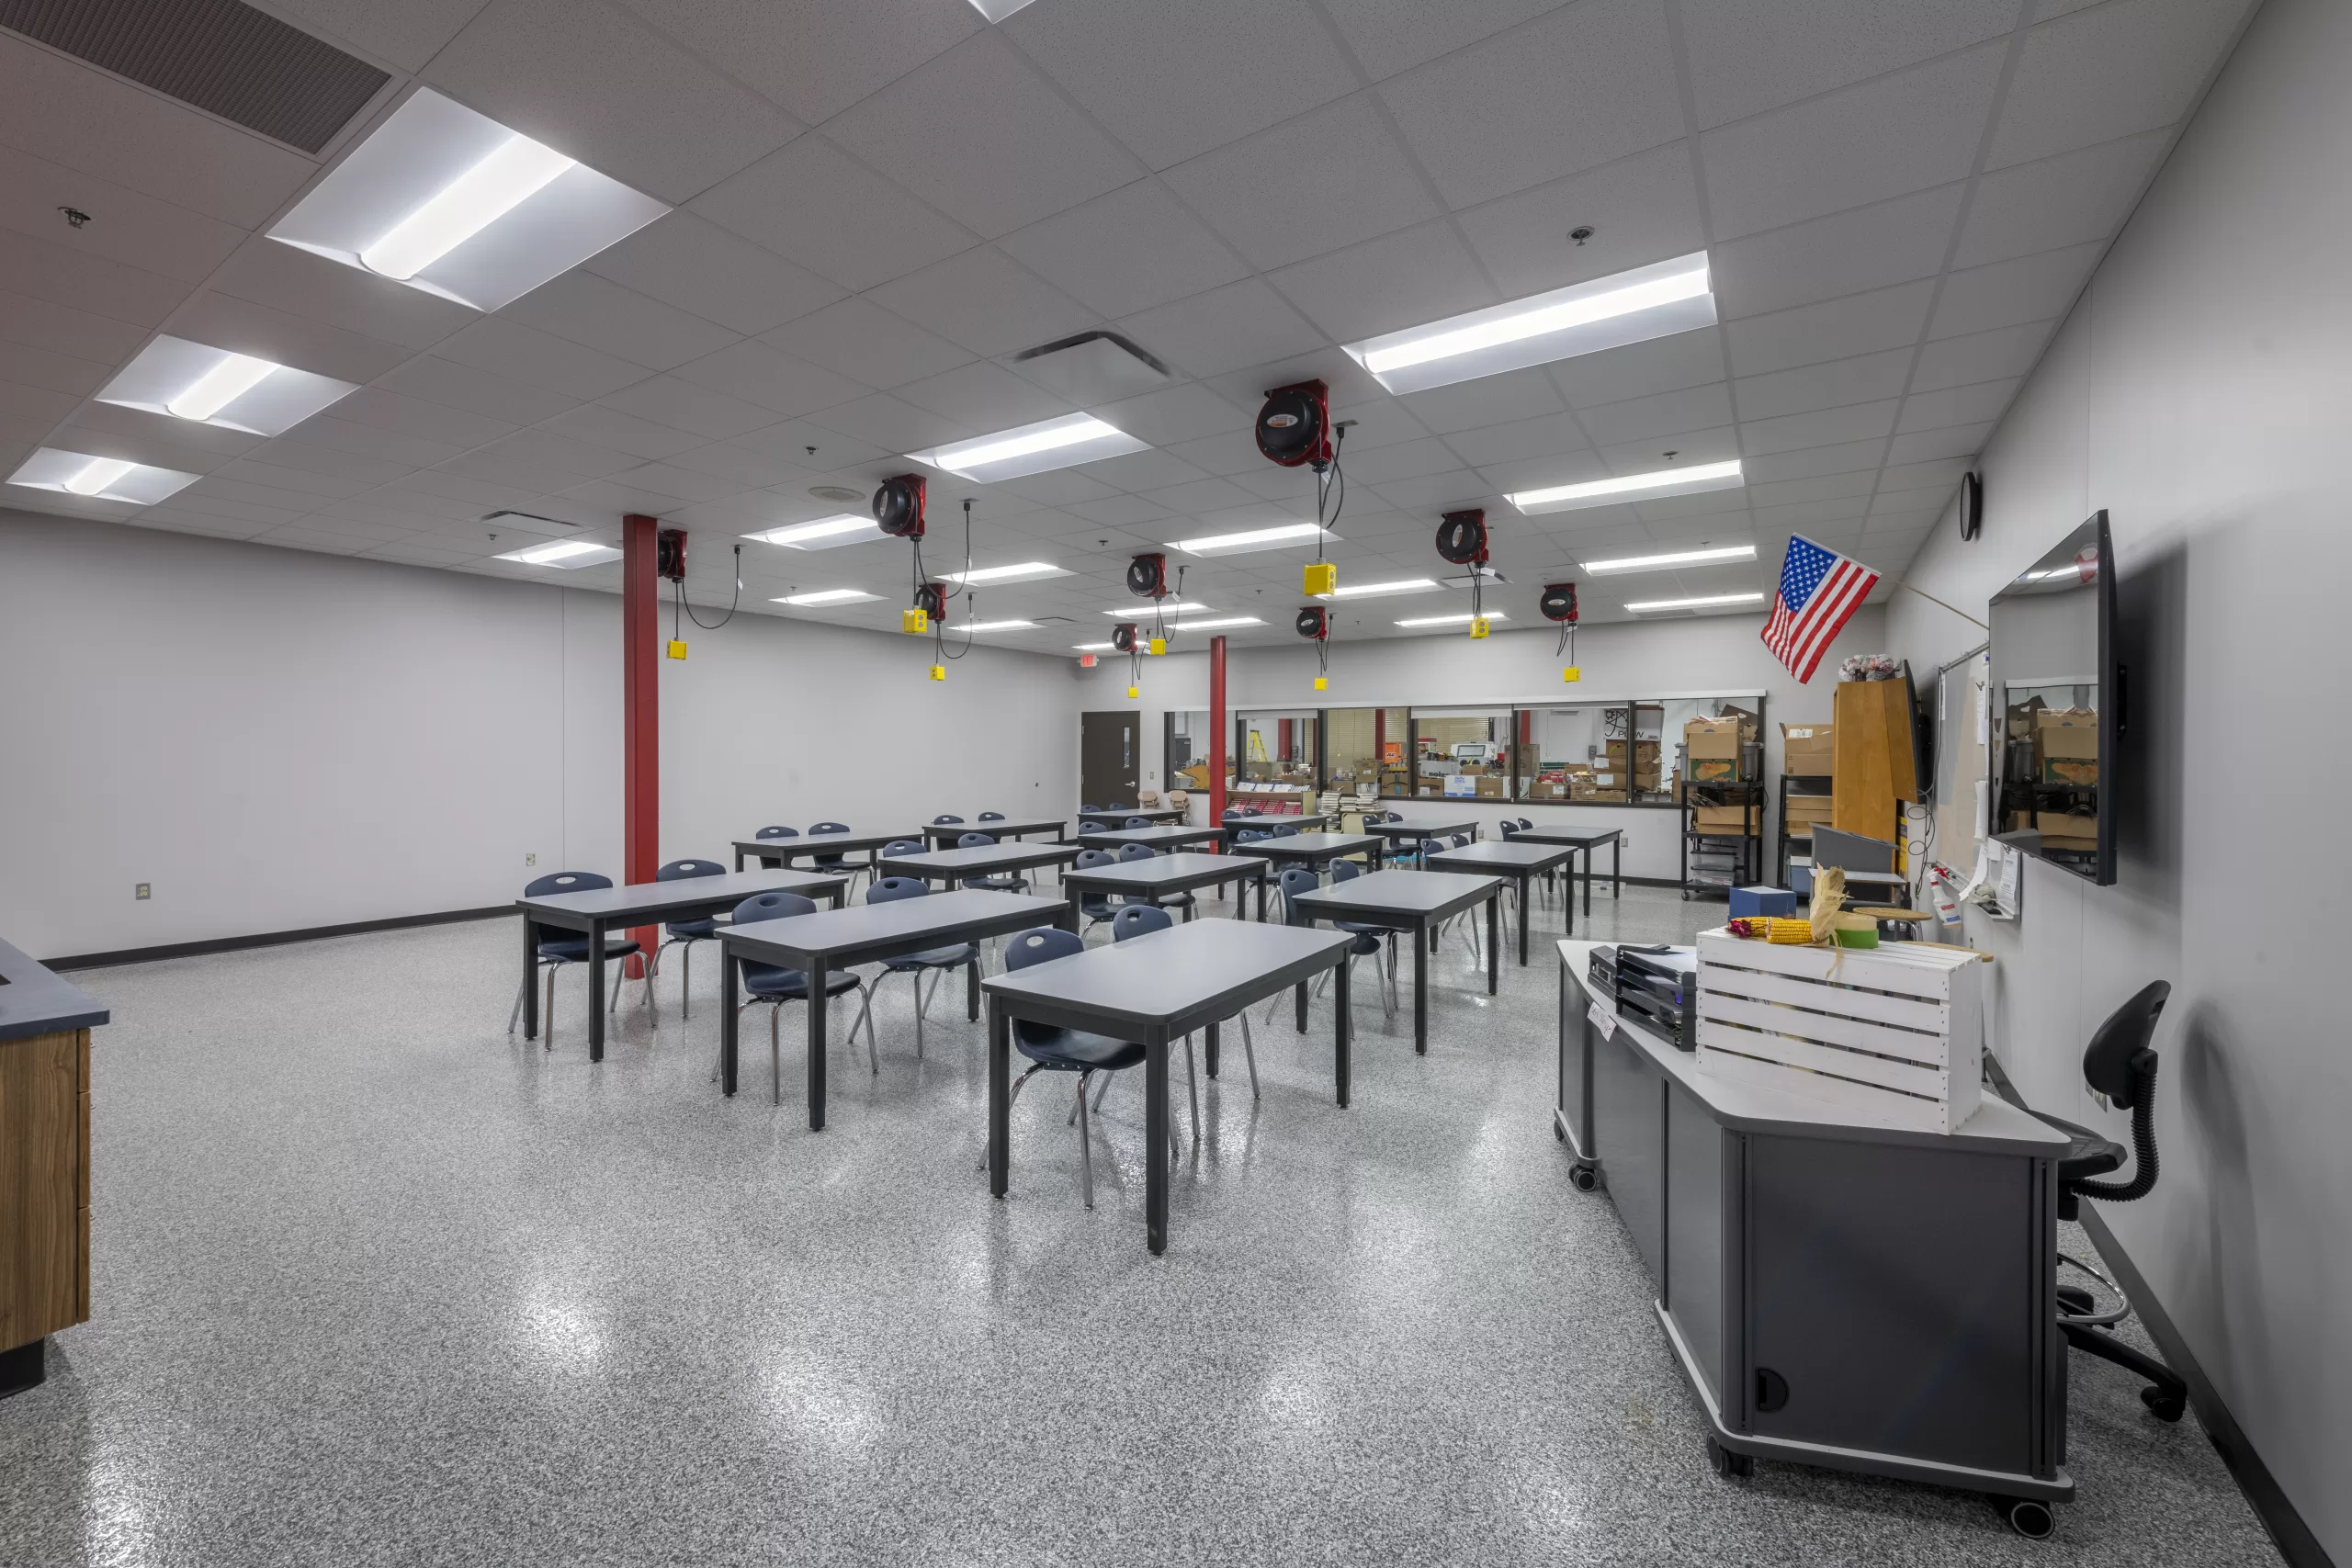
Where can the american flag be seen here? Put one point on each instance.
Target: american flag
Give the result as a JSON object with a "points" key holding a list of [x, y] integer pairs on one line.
{"points": [[1819, 588]]}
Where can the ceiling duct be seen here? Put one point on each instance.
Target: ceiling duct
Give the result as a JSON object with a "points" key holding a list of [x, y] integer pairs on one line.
{"points": [[223, 57], [1093, 368]]}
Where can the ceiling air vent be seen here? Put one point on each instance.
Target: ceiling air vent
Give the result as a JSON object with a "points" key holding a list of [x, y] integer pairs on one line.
{"points": [[222, 56], [1092, 368]]}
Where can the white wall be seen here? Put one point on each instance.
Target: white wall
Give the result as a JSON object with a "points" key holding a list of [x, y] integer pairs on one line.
{"points": [[2199, 394], [1703, 654], [276, 739]]}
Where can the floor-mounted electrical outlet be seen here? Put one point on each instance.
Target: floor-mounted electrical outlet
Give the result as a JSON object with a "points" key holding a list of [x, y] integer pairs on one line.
{"points": [[143, 891]]}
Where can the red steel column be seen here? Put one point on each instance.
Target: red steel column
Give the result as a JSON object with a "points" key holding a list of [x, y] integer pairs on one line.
{"points": [[1217, 731], [640, 716]]}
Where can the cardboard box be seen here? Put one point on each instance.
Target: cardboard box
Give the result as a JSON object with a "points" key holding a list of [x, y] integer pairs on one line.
{"points": [[1715, 739], [1808, 811], [1714, 770], [2066, 746], [1491, 788], [2063, 829], [1734, 819], [1806, 749]]}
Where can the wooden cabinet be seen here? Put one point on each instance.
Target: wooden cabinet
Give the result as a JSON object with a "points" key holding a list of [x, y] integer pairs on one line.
{"points": [[44, 1185]]}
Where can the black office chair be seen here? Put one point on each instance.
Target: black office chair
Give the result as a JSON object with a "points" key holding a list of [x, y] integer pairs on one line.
{"points": [[683, 935], [2118, 1063]]}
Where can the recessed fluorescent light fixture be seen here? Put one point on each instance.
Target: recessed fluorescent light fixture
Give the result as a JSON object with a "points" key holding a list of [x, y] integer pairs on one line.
{"points": [[1691, 481], [1032, 449], [1463, 619], [1254, 539], [997, 626], [1711, 601], [997, 10], [1144, 607], [568, 554], [1220, 622], [212, 386], [1609, 312], [1093, 646], [824, 533], [1679, 557], [451, 202], [1366, 589], [1023, 572], [828, 596], [101, 478]]}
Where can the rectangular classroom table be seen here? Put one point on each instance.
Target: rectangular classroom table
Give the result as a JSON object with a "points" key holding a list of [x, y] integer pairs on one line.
{"points": [[1116, 814], [952, 866], [1586, 840], [1520, 861], [865, 933], [781, 851], [1167, 836], [1391, 833], [603, 909], [1154, 990], [1301, 821], [1416, 901], [945, 834], [1312, 851], [1151, 880]]}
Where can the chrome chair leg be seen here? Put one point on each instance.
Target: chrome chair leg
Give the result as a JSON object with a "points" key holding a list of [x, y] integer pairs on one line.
{"points": [[516, 1016], [1012, 1099], [547, 1013], [686, 979], [1105, 1092], [1085, 1146], [865, 1016], [1192, 1088], [775, 1053], [1250, 1053]]}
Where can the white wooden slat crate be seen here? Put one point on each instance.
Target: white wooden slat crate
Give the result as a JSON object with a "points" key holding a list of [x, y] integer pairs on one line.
{"points": [[1892, 1037]]}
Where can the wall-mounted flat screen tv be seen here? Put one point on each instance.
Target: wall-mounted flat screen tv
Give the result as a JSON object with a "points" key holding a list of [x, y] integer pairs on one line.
{"points": [[2057, 698]]}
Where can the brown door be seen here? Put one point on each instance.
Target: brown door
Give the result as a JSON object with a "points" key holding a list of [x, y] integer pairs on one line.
{"points": [[1110, 756]]}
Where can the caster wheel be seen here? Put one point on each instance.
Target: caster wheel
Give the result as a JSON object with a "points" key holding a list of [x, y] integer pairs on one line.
{"points": [[1584, 1178], [2030, 1518], [2167, 1406], [1729, 1465]]}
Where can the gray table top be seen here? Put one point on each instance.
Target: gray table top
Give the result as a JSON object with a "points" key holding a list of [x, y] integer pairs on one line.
{"points": [[1745, 1107], [1274, 819], [1164, 873], [1431, 829], [821, 844], [979, 860], [1311, 846], [35, 1001], [936, 920], [1167, 833], [1516, 856], [1177, 978], [1397, 895], [1544, 833], [658, 900], [1121, 813], [950, 830]]}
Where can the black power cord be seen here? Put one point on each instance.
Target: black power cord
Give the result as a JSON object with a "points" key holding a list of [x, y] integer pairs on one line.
{"points": [[678, 596]]}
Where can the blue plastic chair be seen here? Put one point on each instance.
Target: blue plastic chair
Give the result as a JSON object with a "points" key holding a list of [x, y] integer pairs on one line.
{"points": [[943, 820], [1085, 807], [1012, 883], [938, 960], [557, 947], [1142, 919], [1377, 942], [1293, 881], [1427, 848], [1128, 854], [1134, 822], [770, 863], [1098, 907], [683, 935], [1286, 830], [1054, 1049], [774, 983], [992, 816], [1252, 835]]}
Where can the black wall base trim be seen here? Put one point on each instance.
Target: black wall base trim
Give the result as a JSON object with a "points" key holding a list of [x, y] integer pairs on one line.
{"points": [[270, 939]]}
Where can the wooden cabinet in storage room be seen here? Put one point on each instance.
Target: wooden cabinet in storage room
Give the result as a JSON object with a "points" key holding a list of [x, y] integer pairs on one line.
{"points": [[44, 1162]]}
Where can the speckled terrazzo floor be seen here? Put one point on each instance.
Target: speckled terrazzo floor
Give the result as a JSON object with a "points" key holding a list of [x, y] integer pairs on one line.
{"points": [[376, 1284]]}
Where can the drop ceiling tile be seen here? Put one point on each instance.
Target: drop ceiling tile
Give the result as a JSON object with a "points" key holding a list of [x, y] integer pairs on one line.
{"points": [[1492, 400], [215, 486], [1362, 185], [1376, 422], [883, 421], [1642, 208], [693, 264], [586, 308], [752, 470], [61, 329], [603, 89], [1389, 35], [538, 460], [435, 422], [2111, 71], [1979, 404], [814, 57], [1864, 378], [1120, 511], [1926, 446], [1348, 383], [1858, 324], [1585, 84], [440, 380], [294, 281], [482, 494], [1981, 356], [1224, 329], [62, 373], [600, 426], [1746, 58], [521, 352], [858, 338], [320, 460], [2029, 288], [1137, 472], [814, 205], [1174, 78], [1273, 483], [1827, 487], [64, 275], [977, 135], [1548, 435], [2066, 200], [982, 395], [1843, 458], [1887, 137], [683, 405], [1402, 460], [1126, 251], [1810, 516], [319, 488], [792, 440], [1660, 415], [1185, 411], [240, 324], [675, 483], [372, 441], [1200, 496], [1897, 502], [1641, 370], [1427, 494], [1823, 427], [1064, 487], [1398, 280], [1233, 452], [138, 230], [770, 379], [1870, 247], [984, 300]]}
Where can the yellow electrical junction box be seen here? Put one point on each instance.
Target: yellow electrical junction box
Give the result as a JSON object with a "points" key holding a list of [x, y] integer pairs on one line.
{"points": [[1322, 577], [914, 621], [938, 672], [1478, 625], [677, 649], [1159, 644], [1322, 683], [1573, 673]]}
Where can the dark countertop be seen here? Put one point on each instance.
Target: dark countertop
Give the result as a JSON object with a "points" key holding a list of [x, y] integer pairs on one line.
{"points": [[34, 1001]]}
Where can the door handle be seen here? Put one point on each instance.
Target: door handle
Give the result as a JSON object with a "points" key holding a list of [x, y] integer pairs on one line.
{"points": [[1771, 1391]]}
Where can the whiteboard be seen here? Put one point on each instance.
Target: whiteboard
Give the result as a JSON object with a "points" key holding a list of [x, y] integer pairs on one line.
{"points": [[1963, 765]]}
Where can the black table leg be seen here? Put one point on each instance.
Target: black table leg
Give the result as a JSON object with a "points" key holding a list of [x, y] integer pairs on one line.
{"points": [[1526, 892], [1588, 881], [1074, 894], [972, 985], [729, 984], [739, 860], [1616, 868], [530, 980], [816, 979], [1340, 1030], [1494, 953], [1261, 894], [1421, 991], [595, 990], [1155, 1133], [1301, 1008], [1000, 1098], [1210, 1051]]}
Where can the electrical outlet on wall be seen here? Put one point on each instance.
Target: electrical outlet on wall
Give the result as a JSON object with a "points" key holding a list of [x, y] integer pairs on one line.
{"points": [[530, 859], [143, 890]]}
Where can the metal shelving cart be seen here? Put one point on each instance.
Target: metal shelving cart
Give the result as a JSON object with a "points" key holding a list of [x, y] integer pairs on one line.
{"points": [[1795, 783], [1713, 862]]}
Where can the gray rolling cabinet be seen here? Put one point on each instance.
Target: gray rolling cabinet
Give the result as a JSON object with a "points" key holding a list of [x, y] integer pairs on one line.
{"points": [[1866, 1298]]}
